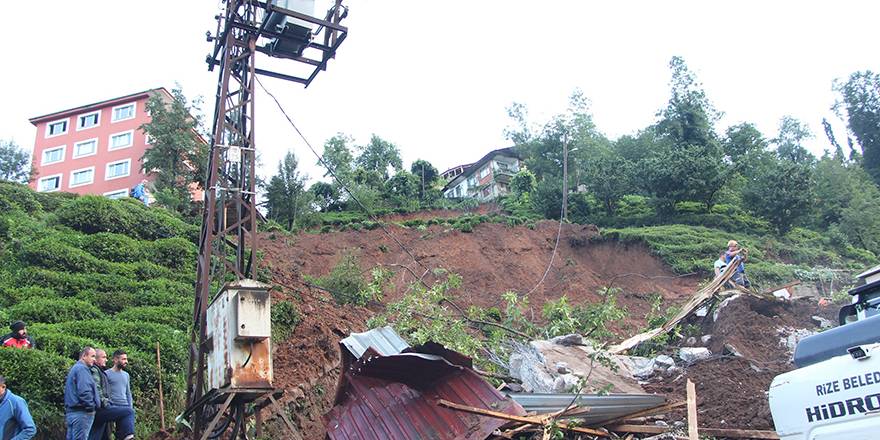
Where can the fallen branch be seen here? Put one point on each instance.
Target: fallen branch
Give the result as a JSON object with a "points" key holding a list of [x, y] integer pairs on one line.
{"points": [[647, 412], [540, 421], [477, 321], [716, 432]]}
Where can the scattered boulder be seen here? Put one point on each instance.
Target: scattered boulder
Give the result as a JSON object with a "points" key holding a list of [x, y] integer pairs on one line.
{"points": [[566, 383], [789, 337], [821, 322], [693, 354], [568, 340], [562, 368], [731, 350], [664, 362], [691, 342], [705, 339], [639, 367], [527, 365]]}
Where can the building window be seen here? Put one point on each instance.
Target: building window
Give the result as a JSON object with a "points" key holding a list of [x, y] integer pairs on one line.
{"points": [[49, 183], [472, 181], [53, 155], [123, 112], [88, 120], [82, 177], [121, 140], [118, 194], [119, 169], [56, 128], [85, 148], [484, 172]]}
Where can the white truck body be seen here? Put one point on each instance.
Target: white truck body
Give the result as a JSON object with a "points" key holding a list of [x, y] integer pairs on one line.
{"points": [[836, 399]]}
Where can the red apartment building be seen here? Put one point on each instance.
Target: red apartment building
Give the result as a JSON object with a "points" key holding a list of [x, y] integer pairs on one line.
{"points": [[93, 149]]}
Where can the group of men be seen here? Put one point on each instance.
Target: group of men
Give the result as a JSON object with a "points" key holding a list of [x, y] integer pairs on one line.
{"points": [[94, 396], [726, 257]]}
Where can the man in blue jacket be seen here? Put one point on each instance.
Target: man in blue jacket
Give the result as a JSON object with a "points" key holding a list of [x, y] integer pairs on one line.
{"points": [[15, 418], [81, 397]]}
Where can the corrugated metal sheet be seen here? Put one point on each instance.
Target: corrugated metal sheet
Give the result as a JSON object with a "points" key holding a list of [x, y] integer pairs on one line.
{"points": [[394, 397], [384, 340], [602, 408]]}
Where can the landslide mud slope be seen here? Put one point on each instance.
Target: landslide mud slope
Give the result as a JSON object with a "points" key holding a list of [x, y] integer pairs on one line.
{"points": [[493, 259]]}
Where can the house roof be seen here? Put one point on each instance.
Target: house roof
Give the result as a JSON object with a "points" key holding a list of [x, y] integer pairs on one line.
{"points": [[391, 397], [470, 170], [60, 114]]}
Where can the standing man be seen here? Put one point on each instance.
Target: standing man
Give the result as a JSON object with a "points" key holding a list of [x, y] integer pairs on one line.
{"points": [[15, 418], [739, 276], [18, 338], [81, 397], [123, 415], [119, 381]]}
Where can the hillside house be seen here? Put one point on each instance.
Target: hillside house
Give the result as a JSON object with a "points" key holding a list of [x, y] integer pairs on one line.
{"points": [[485, 179]]}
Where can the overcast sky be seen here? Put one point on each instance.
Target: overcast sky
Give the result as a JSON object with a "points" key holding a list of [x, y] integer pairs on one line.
{"points": [[435, 77]]}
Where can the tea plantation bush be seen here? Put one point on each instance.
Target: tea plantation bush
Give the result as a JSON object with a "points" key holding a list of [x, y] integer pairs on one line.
{"points": [[87, 270], [52, 310]]}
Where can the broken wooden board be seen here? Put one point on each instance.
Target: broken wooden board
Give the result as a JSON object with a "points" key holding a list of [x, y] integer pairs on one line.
{"points": [[716, 432], [701, 297], [539, 421]]}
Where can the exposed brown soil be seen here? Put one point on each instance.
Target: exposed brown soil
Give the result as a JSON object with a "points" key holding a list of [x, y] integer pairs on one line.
{"points": [[493, 259], [731, 390]]}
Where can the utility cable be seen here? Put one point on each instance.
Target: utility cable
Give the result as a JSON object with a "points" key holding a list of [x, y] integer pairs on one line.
{"points": [[335, 177], [555, 247]]}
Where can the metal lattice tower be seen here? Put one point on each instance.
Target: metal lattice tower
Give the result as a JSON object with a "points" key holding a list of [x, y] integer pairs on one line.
{"points": [[228, 241]]}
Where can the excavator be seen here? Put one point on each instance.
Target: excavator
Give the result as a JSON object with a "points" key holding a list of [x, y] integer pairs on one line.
{"points": [[835, 391]]}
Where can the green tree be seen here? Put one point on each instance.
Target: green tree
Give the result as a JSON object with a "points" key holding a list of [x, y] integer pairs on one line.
{"points": [[780, 186], [426, 175], [402, 190], [523, 182], [608, 176], [741, 141], [337, 154], [688, 161], [379, 155], [860, 101], [326, 196], [177, 156], [286, 197], [14, 165]]}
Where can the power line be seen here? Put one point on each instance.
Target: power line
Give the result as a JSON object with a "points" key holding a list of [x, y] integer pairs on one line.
{"points": [[335, 177]]}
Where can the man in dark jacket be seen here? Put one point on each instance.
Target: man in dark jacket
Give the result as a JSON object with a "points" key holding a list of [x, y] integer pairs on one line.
{"points": [[122, 415], [81, 397], [15, 418], [18, 338]]}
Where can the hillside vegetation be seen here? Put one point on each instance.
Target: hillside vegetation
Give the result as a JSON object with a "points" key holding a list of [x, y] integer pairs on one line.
{"points": [[93, 271]]}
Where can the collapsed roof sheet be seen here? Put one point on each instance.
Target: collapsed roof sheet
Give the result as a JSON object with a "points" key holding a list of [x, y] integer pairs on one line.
{"points": [[602, 408], [394, 397], [383, 339]]}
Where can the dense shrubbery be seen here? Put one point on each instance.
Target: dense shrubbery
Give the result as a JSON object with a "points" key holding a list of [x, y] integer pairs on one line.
{"points": [[771, 260], [52, 310], [93, 214], [111, 274], [38, 376]]}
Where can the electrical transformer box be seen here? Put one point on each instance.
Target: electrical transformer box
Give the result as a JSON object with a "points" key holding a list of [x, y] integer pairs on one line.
{"points": [[239, 336]]}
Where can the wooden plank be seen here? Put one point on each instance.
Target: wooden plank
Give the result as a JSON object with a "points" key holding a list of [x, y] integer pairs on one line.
{"points": [[646, 412], [531, 420], [702, 296], [692, 411], [740, 433], [715, 432]]}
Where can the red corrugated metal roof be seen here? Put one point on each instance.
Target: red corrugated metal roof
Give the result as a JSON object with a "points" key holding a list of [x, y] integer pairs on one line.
{"points": [[394, 397]]}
